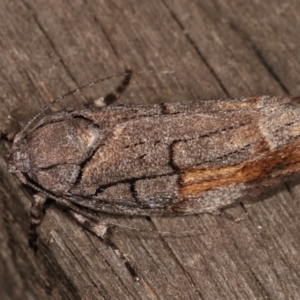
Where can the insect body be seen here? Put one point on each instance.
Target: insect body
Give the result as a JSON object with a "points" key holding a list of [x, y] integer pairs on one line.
{"points": [[167, 158], [176, 157]]}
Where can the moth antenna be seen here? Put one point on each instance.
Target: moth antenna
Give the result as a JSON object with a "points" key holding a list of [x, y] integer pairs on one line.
{"points": [[128, 72]]}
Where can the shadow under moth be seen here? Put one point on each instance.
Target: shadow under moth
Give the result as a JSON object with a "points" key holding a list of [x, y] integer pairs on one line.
{"points": [[161, 159]]}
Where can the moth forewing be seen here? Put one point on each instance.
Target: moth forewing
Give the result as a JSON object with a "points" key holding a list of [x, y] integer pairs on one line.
{"points": [[163, 159]]}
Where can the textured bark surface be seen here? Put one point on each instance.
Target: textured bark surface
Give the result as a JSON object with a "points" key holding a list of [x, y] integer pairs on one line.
{"points": [[219, 49]]}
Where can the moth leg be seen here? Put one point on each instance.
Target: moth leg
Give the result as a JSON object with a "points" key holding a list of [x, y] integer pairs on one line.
{"points": [[113, 96], [36, 217], [222, 213], [101, 230]]}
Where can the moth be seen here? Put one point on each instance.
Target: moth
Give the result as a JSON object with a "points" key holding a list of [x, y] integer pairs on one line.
{"points": [[161, 159]]}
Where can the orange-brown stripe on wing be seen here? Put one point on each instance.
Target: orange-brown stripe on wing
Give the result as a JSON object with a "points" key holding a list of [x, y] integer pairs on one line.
{"points": [[280, 162]]}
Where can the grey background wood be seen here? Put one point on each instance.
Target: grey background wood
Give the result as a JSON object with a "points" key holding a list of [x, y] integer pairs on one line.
{"points": [[219, 49]]}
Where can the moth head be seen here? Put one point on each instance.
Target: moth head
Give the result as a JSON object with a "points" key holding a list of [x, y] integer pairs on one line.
{"points": [[51, 155], [18, 158]]}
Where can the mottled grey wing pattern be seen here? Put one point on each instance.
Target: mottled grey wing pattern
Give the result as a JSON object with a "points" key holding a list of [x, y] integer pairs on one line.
{"points": [[159, 159]]}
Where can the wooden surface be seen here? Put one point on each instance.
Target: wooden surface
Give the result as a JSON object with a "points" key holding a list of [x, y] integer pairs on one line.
{"points": [[219, 49]]}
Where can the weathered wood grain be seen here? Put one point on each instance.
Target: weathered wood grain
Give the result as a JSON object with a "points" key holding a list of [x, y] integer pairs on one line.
{"points": [[219, 49]]}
